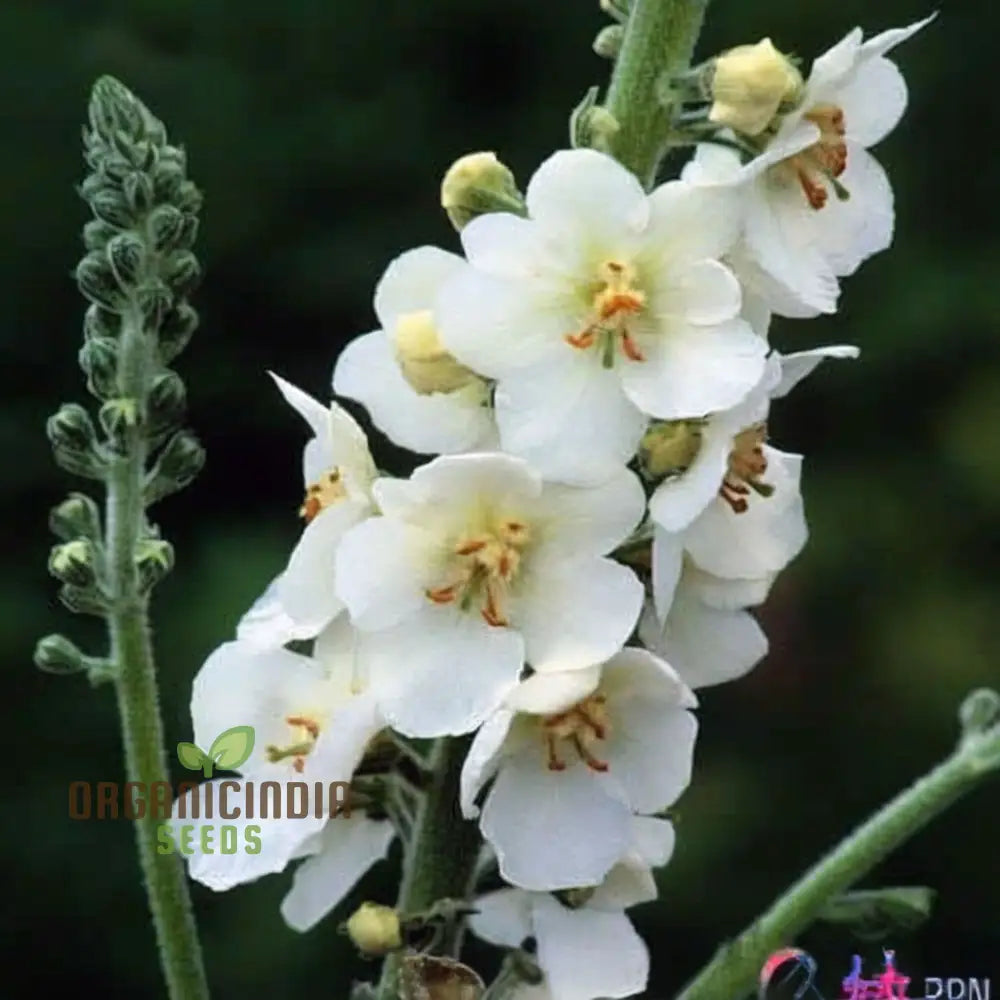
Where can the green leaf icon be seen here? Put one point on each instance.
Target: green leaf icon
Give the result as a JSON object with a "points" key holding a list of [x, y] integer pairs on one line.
{"points": [[190, 756], [232, 747]]}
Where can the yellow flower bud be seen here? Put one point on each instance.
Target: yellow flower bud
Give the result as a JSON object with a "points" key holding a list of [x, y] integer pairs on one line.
{"points": [[374, 929], [476, 184], [670, 447], [424, 362], [749, 85]]}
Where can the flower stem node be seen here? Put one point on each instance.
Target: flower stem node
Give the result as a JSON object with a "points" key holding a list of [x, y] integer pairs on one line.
{"points": [[374, 929], [75, 562], [669, 447], [422, 358], [154, 559], [608, 42], [750, 85], [476, 184], [74, 442], [181, 459], [78, 516]]}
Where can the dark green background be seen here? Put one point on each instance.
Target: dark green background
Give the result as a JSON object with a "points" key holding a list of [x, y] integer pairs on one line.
{"points": [[318, 132]]}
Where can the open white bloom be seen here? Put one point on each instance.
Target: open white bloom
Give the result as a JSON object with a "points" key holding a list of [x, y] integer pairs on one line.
{"points": [[475, 566], [574, 755], [338, 471], [817, 204], [586, 945], [312, 722], [604, 306], [723, 461], [417, 394]]}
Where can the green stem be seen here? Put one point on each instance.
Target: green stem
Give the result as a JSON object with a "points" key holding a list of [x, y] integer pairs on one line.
{"points": [[135, 682], [733, 972], [442, 854], [660, 36]]}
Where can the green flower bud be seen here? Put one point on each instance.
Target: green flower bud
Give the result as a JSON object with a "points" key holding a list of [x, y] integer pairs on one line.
{"points": [[118, 418], [608, 42], [99, 360], [590, 125], [979, 712], [176, 328], [154, 559], [55, 654], [74, 442], [374, 929], [96, 280], [126, 255], [575, 898], [182, 272], [166, 225], [167, 400], [96, 234], [84, 600], [116, 113], [669, 447], [476, 184], [99, 322], [111, 208], [75, 562], [137, 187], [154, 299], [77, 516], [181, 459]]}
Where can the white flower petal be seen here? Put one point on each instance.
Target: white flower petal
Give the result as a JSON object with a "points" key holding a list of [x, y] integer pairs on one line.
{"points": [[411, 282], [694, 370], [575, 613], [795, 367], [442, 671], [492, 476], [588, 953], [533, 818], [573, 423], [350, 845], [625, 885], [690, 221], [727, 595], [653, 840], [873, 101], [503, 917], [592, 520], [668, 560], [307, 589], [833, 67], [547, 694], [882, 43], [444, 422], [507, 246], [313, 412], [267, 625], [482, 760], [582, 192], [704, 292]]}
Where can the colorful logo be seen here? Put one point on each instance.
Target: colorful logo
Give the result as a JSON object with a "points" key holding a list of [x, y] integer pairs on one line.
{"points": [[228, 751], [791, 973]]}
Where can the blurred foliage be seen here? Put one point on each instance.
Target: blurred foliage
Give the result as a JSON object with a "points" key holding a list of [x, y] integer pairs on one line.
{"points": [[318, 132]]}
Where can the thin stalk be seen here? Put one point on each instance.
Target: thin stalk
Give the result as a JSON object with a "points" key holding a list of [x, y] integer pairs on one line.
{"points": [[659, 39], [442, 855], [135, 683], [733, 972]]}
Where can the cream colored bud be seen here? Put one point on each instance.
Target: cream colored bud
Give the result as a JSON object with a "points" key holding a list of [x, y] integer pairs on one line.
{"points": [[669, 448], [476, 184], [749, 85], [374, 929], [424, 362]]}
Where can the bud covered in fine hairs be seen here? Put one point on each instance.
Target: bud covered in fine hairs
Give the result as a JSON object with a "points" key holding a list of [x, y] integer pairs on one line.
{"points": [[669, 447], [75, 562], [55, 654], [181, 459], [74, 442], [99, 360], [750, 84], [77, 516], [374, 929], [476, 184], [608, 42], [154, 559], [167, 401], [590, 125]]}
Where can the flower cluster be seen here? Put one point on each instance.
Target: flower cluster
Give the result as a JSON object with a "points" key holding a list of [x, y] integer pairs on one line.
{"points": [[594, 376]]}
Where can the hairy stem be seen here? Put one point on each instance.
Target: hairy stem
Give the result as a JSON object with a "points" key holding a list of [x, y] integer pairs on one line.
{"points": [[660, 36], [442, 855], [135, 680], [733, 972]]}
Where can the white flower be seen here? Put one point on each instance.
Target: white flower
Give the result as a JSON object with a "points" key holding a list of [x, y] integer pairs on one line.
{"points": [[586, 945], [574, 755], [311, 725], [737, 501], [380, 369], [817, 204], [338, 471], [473, 567], [605, 306]]}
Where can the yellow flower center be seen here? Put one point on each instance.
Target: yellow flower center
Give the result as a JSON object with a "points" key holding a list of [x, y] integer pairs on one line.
{"points": [[747, 463], [582, 726], [483, 566], [823, 162], [319, 495], [305, 733], [615, 304]]}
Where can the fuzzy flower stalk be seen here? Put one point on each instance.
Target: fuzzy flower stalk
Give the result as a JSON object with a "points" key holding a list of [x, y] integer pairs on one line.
{"points": [[501, 650], [137, 273]]}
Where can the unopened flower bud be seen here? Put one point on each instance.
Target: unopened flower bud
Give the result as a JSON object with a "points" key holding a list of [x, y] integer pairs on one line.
{"points": [[167, 400], [575, 898], [608, 42], [154, 299], [74, 562], [110, 207], [99, 360], [181, 459], [176, 328], [118, 417], [55, 654], [137, 188], [422, 358], [77, 516], [476, 184], [99, 322], [154, 559], [590, 125], [979, 711], [750, 83], [182, 272], [670, 447], [374, 929], [96, 280], [166, 224], [126, 255], [74, 441]]}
